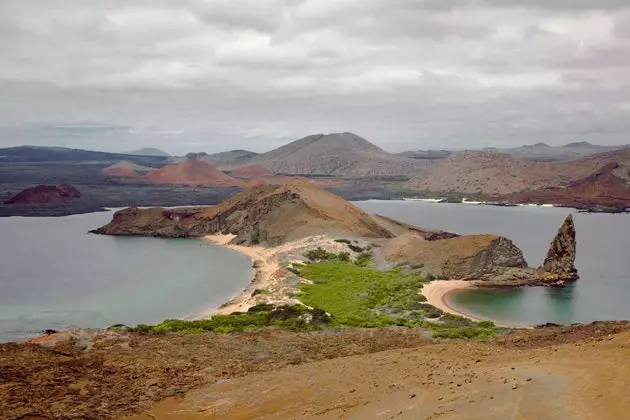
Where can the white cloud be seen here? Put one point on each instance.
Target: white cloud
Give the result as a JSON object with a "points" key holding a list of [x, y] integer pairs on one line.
{"points": [[406, 74]]}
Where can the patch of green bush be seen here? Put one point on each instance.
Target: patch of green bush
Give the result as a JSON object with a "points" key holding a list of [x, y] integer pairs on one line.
{"points": [[364, 259], [466, 333], [358, 296], [430, 311], [455, 321], [294, 318]]}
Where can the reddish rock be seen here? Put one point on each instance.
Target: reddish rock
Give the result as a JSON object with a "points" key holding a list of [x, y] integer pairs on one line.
{"points": [[251, 172], [43, 194], [192, 172], [605, 187]]}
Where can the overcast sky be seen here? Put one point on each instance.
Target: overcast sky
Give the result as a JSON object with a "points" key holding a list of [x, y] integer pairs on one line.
{"points": [[193, 75]]}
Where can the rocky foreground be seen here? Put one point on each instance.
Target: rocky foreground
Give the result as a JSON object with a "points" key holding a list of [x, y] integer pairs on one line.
{"points": [[548, 373]]}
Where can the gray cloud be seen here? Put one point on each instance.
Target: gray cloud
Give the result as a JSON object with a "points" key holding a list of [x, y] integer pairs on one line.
{"points": [[217, 74]]}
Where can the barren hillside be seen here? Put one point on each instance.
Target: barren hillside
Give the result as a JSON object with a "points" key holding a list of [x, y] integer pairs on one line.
{"points": [[341, 154], [492, 173], [191, 172]]}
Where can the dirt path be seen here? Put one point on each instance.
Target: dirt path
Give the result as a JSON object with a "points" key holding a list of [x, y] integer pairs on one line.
{"points": [[464, 380]]}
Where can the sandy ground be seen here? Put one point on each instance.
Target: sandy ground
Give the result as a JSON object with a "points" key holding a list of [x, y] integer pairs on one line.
{"points": [[445, 381], [436, 292]]}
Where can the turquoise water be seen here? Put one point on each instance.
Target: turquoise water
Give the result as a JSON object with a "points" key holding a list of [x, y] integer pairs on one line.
{"points": [[53, 274], [603, 251]]}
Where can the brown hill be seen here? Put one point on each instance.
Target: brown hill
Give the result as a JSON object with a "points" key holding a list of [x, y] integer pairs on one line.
{"points": [[608, 187], [126, 169], [43, 194], [470, 257], [493, 173], [250, 172], [340, 154], [191, 172], [263, 214]]}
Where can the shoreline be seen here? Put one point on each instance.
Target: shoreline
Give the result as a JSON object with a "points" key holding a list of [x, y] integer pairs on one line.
{"points": [[436, 292], [262, 270]]}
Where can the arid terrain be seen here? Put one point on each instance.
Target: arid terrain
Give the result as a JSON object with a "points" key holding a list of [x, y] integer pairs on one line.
{"points": [[558, 373]]}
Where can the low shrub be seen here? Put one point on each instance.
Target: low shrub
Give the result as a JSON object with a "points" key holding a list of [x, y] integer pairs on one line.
{"points": [[294, 318], [364, 259], [466, 333]]}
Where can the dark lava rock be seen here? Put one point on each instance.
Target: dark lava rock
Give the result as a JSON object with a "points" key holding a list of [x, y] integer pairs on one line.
{"points": [[43, 194]]}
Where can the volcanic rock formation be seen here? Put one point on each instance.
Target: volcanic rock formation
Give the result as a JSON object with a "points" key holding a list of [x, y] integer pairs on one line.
{"points": [[43, 194], [469, 257], [126, 169], [191, 172], [559, 264]]}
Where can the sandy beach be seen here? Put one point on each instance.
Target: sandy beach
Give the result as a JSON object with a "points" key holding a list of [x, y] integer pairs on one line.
{"points": [[263, 272], [436, 292]]}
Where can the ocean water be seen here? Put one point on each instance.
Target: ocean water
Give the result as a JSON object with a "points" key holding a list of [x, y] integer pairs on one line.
{"points": [[603, 253], [53, 274]]}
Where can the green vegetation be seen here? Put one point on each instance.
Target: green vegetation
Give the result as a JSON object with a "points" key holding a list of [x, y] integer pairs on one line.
{"points": [[294, 318], [320, 254], [357, 296], [364, 259], [360, 297]]}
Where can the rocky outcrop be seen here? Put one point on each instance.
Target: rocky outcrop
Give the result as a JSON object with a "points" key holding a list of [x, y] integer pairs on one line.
{"points": [[264, 214], [559, 264], [470, 257], [44, 194]]}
